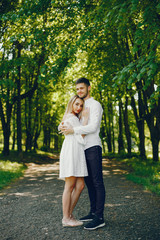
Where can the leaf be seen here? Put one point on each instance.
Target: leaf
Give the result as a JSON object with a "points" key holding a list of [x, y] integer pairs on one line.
{"points": [[143, 70], [139, 76], [135, 49], [14, 17], [158, 6]]}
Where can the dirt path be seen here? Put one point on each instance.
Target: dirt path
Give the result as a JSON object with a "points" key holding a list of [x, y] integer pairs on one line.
{"points": [[31, 208]]}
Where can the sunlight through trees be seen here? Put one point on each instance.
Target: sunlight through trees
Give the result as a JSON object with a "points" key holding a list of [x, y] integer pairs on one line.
{"points": [[46, 45]]}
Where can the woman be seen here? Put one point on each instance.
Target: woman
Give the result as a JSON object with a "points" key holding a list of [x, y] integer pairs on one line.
{"points": [[72, 160]]}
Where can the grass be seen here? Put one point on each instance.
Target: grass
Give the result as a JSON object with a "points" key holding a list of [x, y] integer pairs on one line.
{"points": [[13, 166], [9, 171], [143, 171]]}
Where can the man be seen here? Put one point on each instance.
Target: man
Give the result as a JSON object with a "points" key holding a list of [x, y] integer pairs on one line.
{"points": [[93, 153]]}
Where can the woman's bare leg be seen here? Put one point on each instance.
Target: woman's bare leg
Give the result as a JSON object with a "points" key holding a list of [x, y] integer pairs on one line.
{"points": [[66, 198], [79, 186]]}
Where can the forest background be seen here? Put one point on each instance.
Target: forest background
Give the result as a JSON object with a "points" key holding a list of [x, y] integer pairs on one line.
{"points": [[46, 45]]}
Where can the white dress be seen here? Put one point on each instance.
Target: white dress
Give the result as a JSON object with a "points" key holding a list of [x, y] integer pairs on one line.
{"points": [[72, 157]]}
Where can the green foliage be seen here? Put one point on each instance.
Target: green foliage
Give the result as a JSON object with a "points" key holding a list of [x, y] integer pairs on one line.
{"points": [[48, 44], [144, 172]]}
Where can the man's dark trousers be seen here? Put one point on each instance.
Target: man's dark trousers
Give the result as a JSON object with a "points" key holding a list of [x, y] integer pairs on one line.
{"points": [[94, 180]]}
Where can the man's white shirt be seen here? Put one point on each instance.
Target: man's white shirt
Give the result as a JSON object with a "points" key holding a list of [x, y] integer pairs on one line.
{"points": [[92, 129]]}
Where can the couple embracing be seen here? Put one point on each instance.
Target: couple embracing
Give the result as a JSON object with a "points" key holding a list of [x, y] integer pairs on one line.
{"points": [[81, 157]]}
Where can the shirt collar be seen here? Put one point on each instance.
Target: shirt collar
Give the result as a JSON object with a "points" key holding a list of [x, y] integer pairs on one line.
{"points": [[89, 99]]}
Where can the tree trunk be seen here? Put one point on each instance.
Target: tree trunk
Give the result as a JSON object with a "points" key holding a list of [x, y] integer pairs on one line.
{"points": [[28, 123], [38, 123], [155, 150], [126, 125], [6, 124], [142, 150], [109, 132], [103, 137], [6, 135], [19, 130], [154, 133], [109, 141], [56, 142], [120, 136], [112, 130], [152, 117], [47, 137], [140, 126], [14, 128], [107, 129], [37, 128], [35, 144]]}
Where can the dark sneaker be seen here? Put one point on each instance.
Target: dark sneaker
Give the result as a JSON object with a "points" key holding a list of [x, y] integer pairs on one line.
{"points": [[95, 223], [89, 217]]}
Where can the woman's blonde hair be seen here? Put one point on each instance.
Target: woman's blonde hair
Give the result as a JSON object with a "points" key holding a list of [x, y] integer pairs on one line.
{"points": [[69, 107]]}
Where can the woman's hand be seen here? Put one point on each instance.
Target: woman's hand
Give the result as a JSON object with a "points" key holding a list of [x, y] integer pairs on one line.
{"points": [[85, 113]]}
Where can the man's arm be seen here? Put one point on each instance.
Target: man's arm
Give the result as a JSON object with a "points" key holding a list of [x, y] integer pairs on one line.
{"points": [[65, 129]]}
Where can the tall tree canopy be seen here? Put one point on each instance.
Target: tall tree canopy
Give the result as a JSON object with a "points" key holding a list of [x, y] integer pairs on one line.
{"points": [[47, 45]]}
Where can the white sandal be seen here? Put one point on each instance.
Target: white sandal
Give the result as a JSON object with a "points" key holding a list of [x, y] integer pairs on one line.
{"points": [[71, 222], [79, 223]]}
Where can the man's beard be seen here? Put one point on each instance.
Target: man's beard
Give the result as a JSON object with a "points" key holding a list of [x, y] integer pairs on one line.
{"points": [[84, 95]]}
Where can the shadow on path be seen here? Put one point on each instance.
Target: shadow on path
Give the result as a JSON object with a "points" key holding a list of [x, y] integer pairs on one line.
{"points": [[30, 209]]}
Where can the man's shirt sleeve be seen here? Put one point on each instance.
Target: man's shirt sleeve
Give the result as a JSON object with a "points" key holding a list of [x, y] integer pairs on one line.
{"points": [[94, 120]]}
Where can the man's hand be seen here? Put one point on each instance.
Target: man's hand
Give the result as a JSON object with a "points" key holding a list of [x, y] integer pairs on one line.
{"points": [[66, 129]]}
